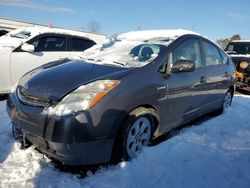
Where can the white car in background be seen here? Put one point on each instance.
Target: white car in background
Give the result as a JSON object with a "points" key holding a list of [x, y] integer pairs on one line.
{"points": [[27, 48]]}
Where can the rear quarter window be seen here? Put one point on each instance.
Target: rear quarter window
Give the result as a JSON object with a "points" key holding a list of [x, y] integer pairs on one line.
{"points": [[50, 43], [212, 54], [224, 57], [78, 44]]}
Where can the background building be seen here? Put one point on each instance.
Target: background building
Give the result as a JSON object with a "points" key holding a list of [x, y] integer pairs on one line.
{"points": [[9, 24]]}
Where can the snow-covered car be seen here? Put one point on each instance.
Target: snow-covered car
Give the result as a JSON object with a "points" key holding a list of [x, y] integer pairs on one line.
{"points": [[239, 50], [129, 91], [27, 48]]}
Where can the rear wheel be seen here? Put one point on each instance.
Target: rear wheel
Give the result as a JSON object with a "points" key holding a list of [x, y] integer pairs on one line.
{"points": [[227, 101]]}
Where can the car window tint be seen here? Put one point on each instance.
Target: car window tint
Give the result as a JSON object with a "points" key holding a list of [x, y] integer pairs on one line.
{"points": [[239, 48], [145, 52], [188, 50], [81, 44], [50, 44], [224, 57], [212, 55]]}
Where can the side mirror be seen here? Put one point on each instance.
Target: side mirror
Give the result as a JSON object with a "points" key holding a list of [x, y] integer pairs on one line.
{"points": [[28, 47], [183, 66]]}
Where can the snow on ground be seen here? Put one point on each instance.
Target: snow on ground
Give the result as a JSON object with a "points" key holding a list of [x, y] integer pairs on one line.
{"points": [[215, 153]]}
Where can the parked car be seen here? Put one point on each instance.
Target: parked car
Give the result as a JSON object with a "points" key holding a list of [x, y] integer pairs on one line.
{"points": [[27, 48], [126, 93], [239, 50]]}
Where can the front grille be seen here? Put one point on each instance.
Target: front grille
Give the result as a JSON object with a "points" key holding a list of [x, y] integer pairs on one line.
{"points": [[31, 100]]}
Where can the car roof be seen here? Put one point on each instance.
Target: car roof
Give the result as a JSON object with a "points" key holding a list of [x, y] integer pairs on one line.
{"points": [[99, 38], [144, 35], [246, 41]]}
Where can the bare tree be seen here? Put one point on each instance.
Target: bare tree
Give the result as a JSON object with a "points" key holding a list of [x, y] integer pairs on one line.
{"points": [[94, 26], [224, 42], [236, 37]]}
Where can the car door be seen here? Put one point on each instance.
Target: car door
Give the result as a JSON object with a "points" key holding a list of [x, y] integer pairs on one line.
{"points": [[79, 45], [47, 48], [217, 77], [185, 90]]}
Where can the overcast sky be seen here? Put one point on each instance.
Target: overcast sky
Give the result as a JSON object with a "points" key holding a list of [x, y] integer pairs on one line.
{"points": [[213, 18]]}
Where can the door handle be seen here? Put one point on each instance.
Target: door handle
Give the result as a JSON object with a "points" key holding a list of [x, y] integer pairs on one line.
{"points": [[203, 79]]}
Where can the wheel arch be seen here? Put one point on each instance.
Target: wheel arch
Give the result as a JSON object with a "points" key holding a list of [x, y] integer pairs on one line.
{"points": [[117, 141], [154, 112]]}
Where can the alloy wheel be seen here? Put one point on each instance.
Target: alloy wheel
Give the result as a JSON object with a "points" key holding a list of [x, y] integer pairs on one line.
{"points": [[138, 136], [227, 100]]}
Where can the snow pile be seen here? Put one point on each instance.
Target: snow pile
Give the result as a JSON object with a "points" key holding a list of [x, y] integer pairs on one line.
{"points": [[215, 153], [240, 55], [151, 34], [122, 50]]}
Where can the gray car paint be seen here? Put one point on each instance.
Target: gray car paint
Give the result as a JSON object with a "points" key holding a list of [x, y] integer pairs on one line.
{"points": [[176, 97]]}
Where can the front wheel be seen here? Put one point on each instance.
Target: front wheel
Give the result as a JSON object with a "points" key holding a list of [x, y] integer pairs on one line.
{"points": [[134, 134], [138, 135]]}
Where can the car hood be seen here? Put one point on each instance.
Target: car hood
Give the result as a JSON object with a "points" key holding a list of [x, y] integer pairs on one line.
{"points": [[55, 80]]}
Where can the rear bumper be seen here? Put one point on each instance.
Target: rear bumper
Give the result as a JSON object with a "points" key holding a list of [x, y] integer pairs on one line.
{"points": [[77, 139]]}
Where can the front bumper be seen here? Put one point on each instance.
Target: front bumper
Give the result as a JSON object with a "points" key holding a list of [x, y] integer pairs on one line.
{"points": [[83, 153], [77, 139]]}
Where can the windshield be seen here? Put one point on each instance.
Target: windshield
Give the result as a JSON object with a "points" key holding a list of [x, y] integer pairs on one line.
{"points": [[239, 48], [15, 38], [125, 53]]}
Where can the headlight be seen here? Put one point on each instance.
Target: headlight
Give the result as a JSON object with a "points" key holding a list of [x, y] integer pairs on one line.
{"points": [[84, 97], [243, 64]]}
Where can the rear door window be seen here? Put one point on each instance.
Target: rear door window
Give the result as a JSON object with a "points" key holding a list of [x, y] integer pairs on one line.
{"points": [[78, 44], [224, 57], [212, 55]]}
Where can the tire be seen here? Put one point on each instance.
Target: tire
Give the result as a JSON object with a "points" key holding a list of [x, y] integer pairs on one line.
{"points": [[134, 134], [227, 101]]}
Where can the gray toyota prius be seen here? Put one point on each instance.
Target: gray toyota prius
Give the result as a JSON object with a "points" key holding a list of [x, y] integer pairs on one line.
{"points": [[117, 97]]}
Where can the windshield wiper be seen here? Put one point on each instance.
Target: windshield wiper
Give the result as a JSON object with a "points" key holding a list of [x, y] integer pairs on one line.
{"points": [[119, 63], [105, 61]]}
